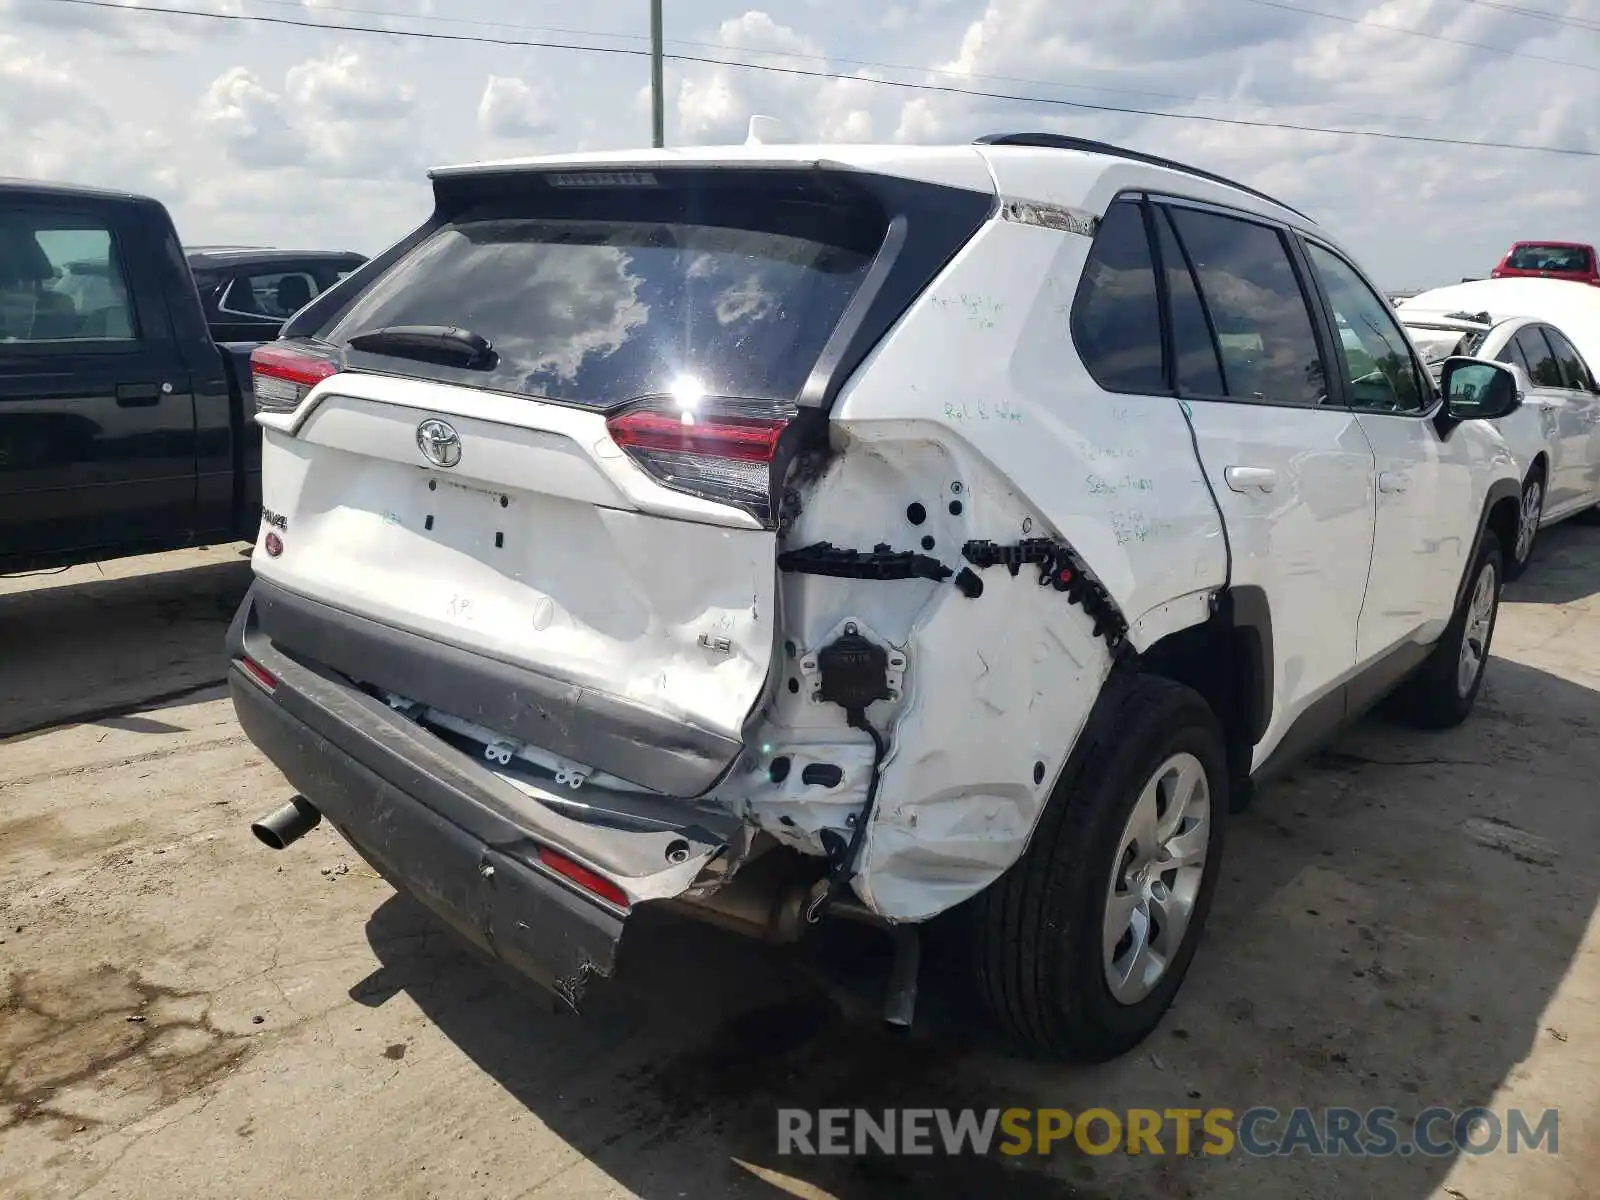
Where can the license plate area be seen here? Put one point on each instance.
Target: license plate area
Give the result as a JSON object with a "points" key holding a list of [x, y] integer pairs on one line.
{"points": [[465, 517]]}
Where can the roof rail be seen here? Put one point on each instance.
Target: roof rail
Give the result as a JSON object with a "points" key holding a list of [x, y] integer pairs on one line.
{"points": [[1059, 141]]}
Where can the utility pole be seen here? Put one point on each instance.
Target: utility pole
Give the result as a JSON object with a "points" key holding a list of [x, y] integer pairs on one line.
{"points": [[658, 123]]}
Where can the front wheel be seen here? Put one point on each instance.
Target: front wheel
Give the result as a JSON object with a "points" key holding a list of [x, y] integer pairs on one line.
{"points": [[1528, 518], [1445, 687], [1081, 946]]}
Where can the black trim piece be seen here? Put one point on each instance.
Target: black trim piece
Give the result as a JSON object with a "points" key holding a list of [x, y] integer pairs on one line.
{"points": [[1060, 567], [1343, 707], [1311, 729], [1500, 490], [486, 892], [563, 718], [1057, 141], [1364, 692], [824, 558], [1252, 618]]}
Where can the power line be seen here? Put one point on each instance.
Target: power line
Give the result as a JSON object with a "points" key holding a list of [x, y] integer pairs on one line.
{"points": [[1539, 14], [1364, 23], [805, 73], [822, 58]]}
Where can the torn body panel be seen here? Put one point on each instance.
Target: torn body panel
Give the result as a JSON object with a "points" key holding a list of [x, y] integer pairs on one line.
{"points": [[995, 686]]}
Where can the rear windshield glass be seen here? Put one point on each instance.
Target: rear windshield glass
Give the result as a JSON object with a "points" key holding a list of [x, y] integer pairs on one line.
{"points": [[611, 297], [1549, 258]]}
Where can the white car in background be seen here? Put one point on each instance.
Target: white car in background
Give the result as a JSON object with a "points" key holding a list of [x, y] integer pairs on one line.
{"points": [[1549, 330]]}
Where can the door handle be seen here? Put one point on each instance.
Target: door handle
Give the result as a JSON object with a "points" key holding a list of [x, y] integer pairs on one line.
{"points": [[1250, 479], [1393, 481], [138, 395]]}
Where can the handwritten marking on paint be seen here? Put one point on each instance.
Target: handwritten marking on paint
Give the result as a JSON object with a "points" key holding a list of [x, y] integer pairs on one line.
{"points": [[1099, 486], [1134, 525], [981, 311], [978, 410], [1098, 452], [459, 607]]}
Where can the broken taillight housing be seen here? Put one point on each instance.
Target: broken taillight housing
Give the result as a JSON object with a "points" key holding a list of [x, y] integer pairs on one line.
{"points": [[721, 450], [282, 376]]}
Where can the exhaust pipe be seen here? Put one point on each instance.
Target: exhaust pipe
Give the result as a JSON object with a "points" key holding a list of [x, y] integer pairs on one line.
{"points": [[287, 824]]}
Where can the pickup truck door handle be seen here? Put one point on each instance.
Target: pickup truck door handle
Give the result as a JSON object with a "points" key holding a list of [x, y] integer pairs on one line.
{"points": [[1393, 481], [138, 395], [1251, 479]]}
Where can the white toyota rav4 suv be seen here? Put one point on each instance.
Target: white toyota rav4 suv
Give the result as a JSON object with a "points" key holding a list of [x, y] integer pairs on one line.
{"points": [[782, 533]]}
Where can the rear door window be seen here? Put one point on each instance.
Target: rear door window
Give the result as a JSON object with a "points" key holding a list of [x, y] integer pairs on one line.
{"points": [[1543, 369], [1573, 369], [273, 295], [1260, 313], [1196, 364], [600, 298]]}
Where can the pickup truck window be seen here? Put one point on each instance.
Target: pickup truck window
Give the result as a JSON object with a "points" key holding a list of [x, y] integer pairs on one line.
{"points": [[61, 281]]}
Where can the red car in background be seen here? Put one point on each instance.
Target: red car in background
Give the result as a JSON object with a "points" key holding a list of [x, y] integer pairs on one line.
{"points": [[1551, 260]]}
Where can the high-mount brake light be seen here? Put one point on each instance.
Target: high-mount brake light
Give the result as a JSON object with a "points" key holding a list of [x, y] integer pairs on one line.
{"points": [[720, 450], [283, 376]]}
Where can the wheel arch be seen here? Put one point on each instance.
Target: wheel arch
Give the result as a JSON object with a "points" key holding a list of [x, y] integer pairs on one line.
{"points": [[1539, 466], [1502, 509], [1228, 660]]}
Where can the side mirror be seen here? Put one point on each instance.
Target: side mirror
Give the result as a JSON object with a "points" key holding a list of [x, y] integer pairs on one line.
{"points": [[1478, 389]]}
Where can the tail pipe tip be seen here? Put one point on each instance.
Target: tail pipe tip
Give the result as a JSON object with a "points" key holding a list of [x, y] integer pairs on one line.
{"points": [[286, 825]]}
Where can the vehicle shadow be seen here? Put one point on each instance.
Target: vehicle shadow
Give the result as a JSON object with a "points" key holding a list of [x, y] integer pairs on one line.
{"points": [[1393, 920], [106, 648], [1565, 567]]}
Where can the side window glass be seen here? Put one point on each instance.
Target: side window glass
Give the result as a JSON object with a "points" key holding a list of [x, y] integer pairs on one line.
{"points": [[1573, 369], [61, 281], [1379, 368], [1263, 324], [276, 295], [1543, 369], [1197, 369], [1116, 321]]}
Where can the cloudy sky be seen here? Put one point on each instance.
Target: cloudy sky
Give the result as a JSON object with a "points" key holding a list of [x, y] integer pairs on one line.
{"points": [[281, 134]]}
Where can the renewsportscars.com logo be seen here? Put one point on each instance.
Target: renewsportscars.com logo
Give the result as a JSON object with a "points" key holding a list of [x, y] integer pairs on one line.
{"points": [[1257, 1132]]}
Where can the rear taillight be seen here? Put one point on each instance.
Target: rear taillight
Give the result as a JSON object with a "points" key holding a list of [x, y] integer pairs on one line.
{"points": [[590, 881], [718, 449], [282, 376]]}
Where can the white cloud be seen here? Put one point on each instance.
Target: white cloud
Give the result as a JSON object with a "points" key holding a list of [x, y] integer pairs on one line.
{"points": [[269, 134], [513, 111]]}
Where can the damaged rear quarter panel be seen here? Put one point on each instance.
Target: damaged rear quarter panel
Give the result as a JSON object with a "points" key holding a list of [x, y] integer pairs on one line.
{"points": [[977, 410]]}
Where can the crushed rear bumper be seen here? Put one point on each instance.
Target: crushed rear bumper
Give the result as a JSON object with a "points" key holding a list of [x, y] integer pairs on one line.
{"points": [[442, 827]]}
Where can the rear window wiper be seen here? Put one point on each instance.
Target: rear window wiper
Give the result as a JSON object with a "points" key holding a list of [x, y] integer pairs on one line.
{"points": [[447, 345]]}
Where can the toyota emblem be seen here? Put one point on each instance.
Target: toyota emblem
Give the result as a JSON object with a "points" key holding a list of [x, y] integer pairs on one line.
{"points": [[439, 442]]}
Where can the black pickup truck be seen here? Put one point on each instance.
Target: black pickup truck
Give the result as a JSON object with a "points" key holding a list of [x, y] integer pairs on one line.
{"points": [[124, 428]]}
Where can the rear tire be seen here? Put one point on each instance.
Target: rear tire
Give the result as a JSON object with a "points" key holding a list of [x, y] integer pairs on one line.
{"points": [[1442, 692], [1150, 766], [1531, 510]]}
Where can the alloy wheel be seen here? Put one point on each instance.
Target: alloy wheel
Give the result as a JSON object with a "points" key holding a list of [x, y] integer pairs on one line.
{"points": [[1155, 877]]}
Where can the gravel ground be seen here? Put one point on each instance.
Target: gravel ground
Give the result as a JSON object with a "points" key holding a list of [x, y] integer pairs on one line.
{"points": [[1405, 921]]}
